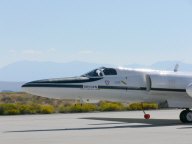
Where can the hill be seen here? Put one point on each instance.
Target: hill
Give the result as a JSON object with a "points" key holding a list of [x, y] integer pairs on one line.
{"points": [[10, 86], [32, 70]]}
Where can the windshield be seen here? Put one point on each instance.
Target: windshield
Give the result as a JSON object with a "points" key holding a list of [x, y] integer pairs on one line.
{"points": [[95, 73], [101, 72], [109, 71]]}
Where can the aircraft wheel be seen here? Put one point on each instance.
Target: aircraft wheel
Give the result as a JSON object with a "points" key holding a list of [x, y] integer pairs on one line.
{"points": [[189, 117], [186, 116], [183, 116]]}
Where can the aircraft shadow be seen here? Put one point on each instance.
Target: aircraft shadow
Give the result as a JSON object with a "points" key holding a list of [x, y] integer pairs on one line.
{"points": [[141, 121], [117, 123]]}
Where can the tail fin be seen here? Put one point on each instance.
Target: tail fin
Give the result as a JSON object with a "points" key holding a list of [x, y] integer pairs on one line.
{"points": [[176, 68]]}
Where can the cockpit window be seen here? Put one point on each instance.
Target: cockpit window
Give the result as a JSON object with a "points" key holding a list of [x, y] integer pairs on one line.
{"points": [[100, 72], [94, 73], [109, 71]]}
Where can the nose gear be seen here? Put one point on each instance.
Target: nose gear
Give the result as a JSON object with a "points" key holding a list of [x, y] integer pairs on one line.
{"points": [[146, 116], [186, 116]]}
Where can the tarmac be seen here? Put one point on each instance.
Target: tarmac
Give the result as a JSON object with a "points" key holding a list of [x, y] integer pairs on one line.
{"points": [[164, 127]]}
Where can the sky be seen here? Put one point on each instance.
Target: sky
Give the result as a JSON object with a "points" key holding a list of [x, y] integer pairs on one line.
{"points": [[116, 32]]}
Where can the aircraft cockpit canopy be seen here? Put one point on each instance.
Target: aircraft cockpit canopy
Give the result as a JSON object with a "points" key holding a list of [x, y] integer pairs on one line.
{"points": [[100, 72]]}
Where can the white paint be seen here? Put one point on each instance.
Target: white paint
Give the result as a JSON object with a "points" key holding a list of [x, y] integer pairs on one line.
{"points": [[131, 78]]}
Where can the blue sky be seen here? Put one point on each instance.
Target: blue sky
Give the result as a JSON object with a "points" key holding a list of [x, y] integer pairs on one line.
{"points": [[102, 31]]}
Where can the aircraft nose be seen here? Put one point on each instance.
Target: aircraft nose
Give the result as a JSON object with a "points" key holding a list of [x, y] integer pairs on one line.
{"points": [[35, 87], [26, 85], [33, 83], [56, 82]]}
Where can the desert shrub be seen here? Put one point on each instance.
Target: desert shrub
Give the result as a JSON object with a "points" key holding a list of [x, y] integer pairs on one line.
{"points": [[23, 109], [46, 109], [9, 109], [34, 108], [1, 110], [83, 108], [22, 103], [145, 106], [77, 108], [27, 108], [64, 109], [14, 109], [135, 106], [110, 106], [150, 106]]}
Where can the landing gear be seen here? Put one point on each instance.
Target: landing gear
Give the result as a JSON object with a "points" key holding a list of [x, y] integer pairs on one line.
{"points": [[186, 116], [146, 116]]}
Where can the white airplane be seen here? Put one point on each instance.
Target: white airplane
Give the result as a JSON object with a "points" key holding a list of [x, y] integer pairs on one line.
{"points": [[122, 85]]}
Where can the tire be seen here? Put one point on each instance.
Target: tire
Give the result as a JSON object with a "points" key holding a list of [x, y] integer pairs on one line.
{"points": [[186, 116], [182, 116], [189, 116]]}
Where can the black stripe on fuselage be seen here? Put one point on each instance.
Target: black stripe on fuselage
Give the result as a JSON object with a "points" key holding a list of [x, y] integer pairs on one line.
{"points": [[166, 89], [52, 85], [61, 82], [67, 81], [121, 88], [56, 85]]}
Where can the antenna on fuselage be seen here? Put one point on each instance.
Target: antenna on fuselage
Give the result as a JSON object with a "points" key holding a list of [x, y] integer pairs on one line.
{"points": [[176, 68]]}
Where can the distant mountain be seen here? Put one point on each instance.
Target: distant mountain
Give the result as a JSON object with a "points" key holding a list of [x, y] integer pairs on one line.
{"points": [[165, 65], [31, 70], [169, 65], [10, 86]]}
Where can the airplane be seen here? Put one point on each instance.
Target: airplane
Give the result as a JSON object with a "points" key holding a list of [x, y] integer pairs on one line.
{"points": [[122, 85]]}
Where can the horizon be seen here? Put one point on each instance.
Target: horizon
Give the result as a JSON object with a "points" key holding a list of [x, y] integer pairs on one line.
{"points": [[77, 61], [112, 32], [35, 70]]}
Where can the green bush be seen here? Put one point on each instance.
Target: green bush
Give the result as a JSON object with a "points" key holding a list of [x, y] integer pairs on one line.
{"points": [[141, 106], [150, 106], [22, 103], [78, 108], [111, 106], [9, 109], [15, 109], [47, 109], [135, 106], [64, 109], [25, 109]]}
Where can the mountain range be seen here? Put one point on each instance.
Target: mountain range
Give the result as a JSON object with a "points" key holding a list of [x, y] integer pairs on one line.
{"points": [[32, 70], [10, 86], [14, 75]]}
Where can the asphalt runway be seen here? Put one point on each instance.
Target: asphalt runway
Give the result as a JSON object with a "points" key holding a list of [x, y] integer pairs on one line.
{"points": [[96, 128]]}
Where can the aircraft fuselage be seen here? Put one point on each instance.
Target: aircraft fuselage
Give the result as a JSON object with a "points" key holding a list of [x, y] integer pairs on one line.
{"points": [[122, 85]]}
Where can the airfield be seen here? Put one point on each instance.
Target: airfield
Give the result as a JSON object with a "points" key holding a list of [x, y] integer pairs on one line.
{"points": [[96, 128]]}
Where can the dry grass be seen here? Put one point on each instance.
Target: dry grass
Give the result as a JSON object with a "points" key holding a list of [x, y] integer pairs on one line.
{"points": [[23, 103]]}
